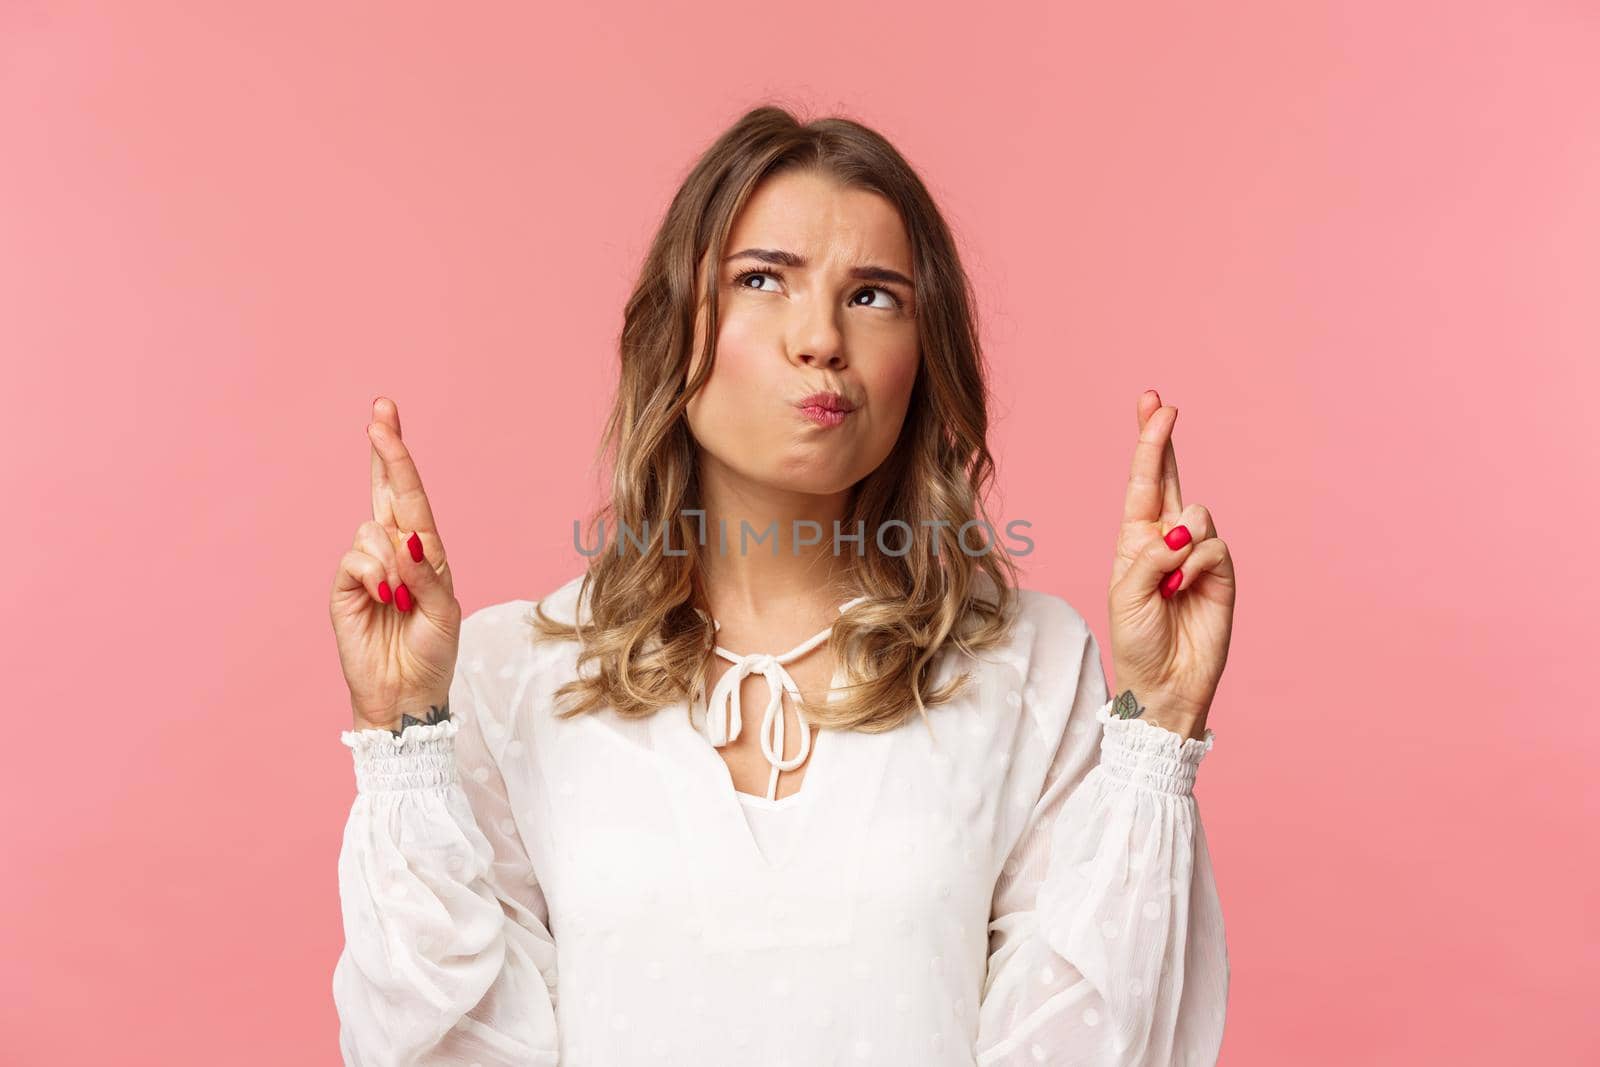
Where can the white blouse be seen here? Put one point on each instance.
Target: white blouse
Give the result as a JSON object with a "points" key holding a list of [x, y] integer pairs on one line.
{"points": [[1020, 879]]}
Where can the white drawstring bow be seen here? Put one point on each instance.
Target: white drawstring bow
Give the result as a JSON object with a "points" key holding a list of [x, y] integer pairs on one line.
{"points": [[725, 719]]}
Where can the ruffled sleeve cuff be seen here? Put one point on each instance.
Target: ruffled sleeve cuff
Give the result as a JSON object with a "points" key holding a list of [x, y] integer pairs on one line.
{"points": [[1150, 756], [422, 757]]}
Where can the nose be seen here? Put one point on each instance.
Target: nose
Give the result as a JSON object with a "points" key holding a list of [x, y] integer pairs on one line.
{"points": [[817, 340], [834, 361]]}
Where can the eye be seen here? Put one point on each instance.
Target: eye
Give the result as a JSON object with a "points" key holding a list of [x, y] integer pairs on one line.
{"points": [[742, 277], [894, 301]]}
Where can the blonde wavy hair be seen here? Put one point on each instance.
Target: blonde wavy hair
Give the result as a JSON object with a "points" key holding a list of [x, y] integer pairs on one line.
{"points": [[646, 630]]}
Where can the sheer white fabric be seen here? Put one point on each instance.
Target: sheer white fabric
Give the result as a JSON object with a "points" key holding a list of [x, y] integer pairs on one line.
{"points": [[447, 957], [1021, 879], [773, 823]]}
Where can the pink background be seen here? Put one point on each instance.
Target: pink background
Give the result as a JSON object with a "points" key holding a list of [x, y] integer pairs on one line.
{"points": [[1356, 244]]}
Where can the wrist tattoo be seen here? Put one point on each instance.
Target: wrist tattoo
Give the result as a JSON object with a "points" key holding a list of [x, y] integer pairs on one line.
{"points": [[437, 713], [1126, 707]]}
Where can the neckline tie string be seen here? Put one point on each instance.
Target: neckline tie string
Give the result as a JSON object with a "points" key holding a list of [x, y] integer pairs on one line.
{"points": [[724, 717]]}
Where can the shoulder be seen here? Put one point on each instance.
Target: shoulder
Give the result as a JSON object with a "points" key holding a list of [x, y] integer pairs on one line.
{"points": [[1054, 652], [1049, 611], [562, 602], [1035, 616], [506, 666], [493, 635], [496, 632], [1044, 627]]}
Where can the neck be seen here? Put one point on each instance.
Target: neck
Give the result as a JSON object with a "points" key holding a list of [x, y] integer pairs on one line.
{"points": [[750, 577]]}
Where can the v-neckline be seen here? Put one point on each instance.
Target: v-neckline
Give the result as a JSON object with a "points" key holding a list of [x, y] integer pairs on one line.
{"points": [[732, 797], [745, 899]]}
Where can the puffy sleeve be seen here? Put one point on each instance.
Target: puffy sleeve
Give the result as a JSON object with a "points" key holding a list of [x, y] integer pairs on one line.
{"points": [[1107, 946], [448, 958]]}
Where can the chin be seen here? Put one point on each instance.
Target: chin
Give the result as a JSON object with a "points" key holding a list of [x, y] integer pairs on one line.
{"points": [[816, 483]]}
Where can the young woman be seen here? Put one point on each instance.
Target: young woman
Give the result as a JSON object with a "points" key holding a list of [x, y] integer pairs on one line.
{"points": [[935, 838]]}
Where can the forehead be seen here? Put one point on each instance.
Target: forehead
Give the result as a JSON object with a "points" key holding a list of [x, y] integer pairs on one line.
{"points": [[815, 216]]}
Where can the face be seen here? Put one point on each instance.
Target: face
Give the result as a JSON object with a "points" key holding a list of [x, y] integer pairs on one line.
{"points": [[835, 318]]}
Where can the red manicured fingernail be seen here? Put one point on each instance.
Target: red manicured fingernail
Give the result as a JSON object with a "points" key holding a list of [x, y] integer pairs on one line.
{"points": [[414, 543], [1177, 537], [383, 591], [402, 597], [1168, 587]]}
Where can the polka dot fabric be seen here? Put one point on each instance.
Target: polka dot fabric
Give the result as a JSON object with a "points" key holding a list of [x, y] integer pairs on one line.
{"points": [[1108, 939], [1021, 879]]}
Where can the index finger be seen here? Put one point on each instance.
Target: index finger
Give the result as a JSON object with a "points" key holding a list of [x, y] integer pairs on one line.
{"points": [[406, 496]]}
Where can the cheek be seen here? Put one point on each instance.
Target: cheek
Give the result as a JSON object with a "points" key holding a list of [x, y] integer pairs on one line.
{"points": [[739, 398], [740, 375], [893, 380], [889, 385]]}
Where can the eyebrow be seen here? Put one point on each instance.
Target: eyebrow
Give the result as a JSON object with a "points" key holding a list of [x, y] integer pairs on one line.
{"points": [[779, 257]]}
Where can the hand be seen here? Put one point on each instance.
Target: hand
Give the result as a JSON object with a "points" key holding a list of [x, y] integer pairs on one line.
{"points": [[1171, 608], [395, 617]]}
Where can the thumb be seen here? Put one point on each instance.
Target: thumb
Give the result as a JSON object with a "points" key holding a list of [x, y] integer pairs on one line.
{"points": [[431, 591], [1160, 557]]}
